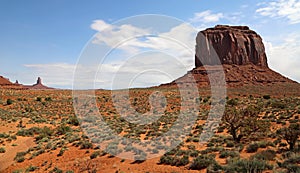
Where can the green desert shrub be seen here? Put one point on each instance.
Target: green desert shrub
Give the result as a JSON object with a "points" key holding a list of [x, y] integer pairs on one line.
{"points": [[29, 132], [48, 99], [32, 168], [63, 129], [174, 160], [247, 166], [266, 97], [37, 153], [226, 153], [44, 132], [2, 150], [177, 161], [56, 170], [232, 102], [61, 151], [291, 164], [4, 135], [166, 159], [252, 148], [278, 104], [73, 120], [265, 155], [85, 145], [194, 153], [20, 157], [9, 101], [95, 154], [39, 99], [229, 144], [202, 162]]}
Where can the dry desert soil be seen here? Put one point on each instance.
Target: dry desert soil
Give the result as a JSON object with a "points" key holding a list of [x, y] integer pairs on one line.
{"points": [[40, 132]]}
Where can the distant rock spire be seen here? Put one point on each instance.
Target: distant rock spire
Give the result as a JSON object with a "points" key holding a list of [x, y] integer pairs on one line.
{"points": [[39, 81]]}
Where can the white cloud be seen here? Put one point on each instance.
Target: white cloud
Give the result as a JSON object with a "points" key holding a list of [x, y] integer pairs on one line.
{"points": [[206, 17], [144, 62], [178, 43], [100, 25], [126, 37], [54, 75], [144, 70], [114, 35], [168, 60], [289, 9], [285, 58]]}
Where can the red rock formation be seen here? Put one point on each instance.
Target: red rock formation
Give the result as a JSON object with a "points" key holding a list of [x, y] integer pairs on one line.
{"points": [[39, 81], [236, 51], [4, 81], [38, 85], [235, 76], [6, 84], [229, 45]]}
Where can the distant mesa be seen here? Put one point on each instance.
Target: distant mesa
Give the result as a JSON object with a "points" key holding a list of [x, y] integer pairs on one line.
{"points": [[239, 52], [5, 83]]}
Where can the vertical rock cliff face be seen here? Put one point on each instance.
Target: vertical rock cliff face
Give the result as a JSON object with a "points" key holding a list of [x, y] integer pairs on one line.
{"points": [[224, 44]]}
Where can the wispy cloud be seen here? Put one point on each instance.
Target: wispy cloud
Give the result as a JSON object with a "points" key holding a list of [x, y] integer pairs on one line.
{"points": [[162, 57], [55, 75], [114, 35], [289, 9], [155, 59], [144, 70], [285, 57], [132, 39], [206, 17], [152, 60]]}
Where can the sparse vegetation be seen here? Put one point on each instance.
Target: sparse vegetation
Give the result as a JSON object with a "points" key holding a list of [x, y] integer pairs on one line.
{"points": [[252, 148], [290, 134], [32, 168], [244, 123], [267, 97], [20, 157], [9, 101], [2, 150], [58, 132], [251, 166], [202, 162]]}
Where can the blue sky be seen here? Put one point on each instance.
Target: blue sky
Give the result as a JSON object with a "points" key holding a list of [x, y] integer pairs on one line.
{"points": [[45, 38]]}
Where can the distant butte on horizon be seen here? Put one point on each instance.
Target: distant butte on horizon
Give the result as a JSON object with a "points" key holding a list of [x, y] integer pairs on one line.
{"points": [[6, 84]]}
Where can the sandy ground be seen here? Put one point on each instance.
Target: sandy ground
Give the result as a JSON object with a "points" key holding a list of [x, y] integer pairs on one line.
{"points": [[22, 144]]}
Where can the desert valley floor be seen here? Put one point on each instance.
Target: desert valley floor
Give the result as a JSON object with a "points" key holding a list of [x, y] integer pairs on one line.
{"points": [[39, 132]]}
